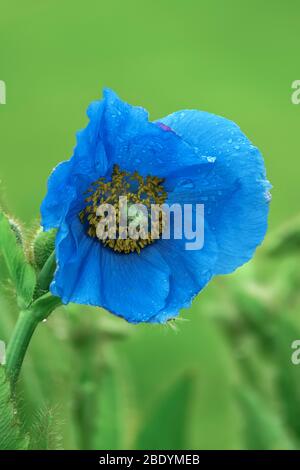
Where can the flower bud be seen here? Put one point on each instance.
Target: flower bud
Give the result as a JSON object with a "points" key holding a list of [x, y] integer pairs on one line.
{"points": [[43, 246]]}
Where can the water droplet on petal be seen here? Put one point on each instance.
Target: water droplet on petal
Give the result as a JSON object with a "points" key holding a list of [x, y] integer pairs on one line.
{"points": [[188, 184], [268, 196]]}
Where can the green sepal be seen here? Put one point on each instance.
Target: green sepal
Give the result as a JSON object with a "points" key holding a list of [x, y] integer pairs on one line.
{"points": [[43, 306], [46, 275]]}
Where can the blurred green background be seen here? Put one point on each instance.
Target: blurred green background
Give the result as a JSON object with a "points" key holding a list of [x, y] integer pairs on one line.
{"points": [[222, 379]]}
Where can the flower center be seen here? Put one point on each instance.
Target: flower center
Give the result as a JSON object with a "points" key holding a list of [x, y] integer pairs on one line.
{"points": [[119, 211]]}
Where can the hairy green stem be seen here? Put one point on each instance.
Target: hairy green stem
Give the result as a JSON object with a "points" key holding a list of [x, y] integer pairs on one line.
{"points": [[24, 329], [18, 344]]}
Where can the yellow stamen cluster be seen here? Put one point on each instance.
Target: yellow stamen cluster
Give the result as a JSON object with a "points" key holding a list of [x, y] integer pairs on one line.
{"points": [[137, 190]]}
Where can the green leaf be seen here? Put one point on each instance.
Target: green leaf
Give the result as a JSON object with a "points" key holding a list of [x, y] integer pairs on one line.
{"points": [[263, 428], [288, 376], [286, 241], [165, 355], [107, 428], [168, 423], [20, 271], [11, 435], [275, 335], [44, 433]]}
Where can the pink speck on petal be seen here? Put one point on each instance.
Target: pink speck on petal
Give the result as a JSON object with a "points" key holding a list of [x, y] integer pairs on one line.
{"points": [[164, 127]]}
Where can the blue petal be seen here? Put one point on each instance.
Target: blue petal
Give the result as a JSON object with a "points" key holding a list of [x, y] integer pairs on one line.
{"points": [[136, 286], [59, 196], [235, 190], [71, 178], [132, 286], [78, 277], [190, 271], [137, 144]]}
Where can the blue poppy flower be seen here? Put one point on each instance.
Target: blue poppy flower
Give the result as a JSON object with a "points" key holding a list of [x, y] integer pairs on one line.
{"points": [[189, 157]]}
